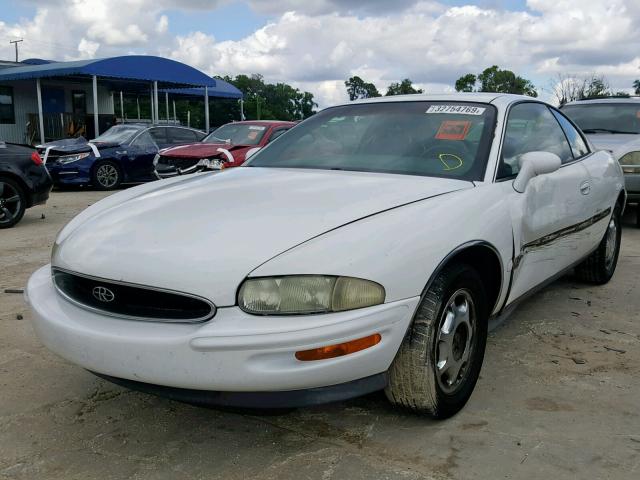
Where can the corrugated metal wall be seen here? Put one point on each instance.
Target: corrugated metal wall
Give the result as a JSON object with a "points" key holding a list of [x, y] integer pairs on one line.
{"points": [[25, 102]]}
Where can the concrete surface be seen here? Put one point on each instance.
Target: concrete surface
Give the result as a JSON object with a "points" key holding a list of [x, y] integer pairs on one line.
{"points": [[559, 397]]}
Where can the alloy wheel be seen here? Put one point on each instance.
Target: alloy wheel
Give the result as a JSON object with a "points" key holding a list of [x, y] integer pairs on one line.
{"points": [[611, 243], [456, 339], [10, 202], [107, 175]]}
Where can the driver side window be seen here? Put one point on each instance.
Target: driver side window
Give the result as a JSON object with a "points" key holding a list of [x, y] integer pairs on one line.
{"points": [[531, 127]]}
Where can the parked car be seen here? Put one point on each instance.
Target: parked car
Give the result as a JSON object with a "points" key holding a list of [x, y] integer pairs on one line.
{"points": [[613, 124], [368, 248], [24, 182], [225, 147], [122, 154]]}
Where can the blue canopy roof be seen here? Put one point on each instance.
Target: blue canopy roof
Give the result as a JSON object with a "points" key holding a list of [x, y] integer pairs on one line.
{"points": [[223, 89], [168, 73]]}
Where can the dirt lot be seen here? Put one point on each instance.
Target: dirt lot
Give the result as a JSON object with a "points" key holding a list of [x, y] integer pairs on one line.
{"points": [[559, 397]]}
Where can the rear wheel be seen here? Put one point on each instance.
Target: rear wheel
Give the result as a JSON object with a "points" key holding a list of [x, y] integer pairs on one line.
{"points": [[106, 175], [439, 361], [599, 267], [13, 202]]}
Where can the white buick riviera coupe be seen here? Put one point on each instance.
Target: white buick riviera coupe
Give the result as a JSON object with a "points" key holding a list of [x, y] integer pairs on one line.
{"points": [[367, 248]]}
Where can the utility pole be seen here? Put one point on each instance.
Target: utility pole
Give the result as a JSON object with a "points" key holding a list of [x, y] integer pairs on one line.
{"points": [[16, 42]]}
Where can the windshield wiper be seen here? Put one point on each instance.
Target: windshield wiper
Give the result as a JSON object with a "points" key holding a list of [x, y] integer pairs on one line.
{"points": [[606, 130]]}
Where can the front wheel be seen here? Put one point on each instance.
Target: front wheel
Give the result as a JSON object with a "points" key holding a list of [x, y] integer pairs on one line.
{"points": [[106, 175], [439, 361], [599, 267]]}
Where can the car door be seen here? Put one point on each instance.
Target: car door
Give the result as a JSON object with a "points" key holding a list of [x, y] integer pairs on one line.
{"points": [[141, 154], [548, 215]]}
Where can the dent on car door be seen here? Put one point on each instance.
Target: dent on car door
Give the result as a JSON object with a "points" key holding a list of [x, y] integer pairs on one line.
{"points": [[550, 218]]}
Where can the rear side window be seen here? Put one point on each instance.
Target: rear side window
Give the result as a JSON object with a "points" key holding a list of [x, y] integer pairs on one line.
{"points": [[276, 133], [182, 135], [531, 128], [159, 135], [578, 145]]}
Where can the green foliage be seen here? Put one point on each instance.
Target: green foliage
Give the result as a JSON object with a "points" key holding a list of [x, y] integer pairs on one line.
{"points": [[493, 79], [405, 87], [636, 86], [358, 88], [466, 83], [597, 87], [268, 101]]}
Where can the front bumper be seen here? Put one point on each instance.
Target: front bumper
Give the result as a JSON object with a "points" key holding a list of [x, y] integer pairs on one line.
{"points": [[233, 352], [76, 173], [632, 185]]}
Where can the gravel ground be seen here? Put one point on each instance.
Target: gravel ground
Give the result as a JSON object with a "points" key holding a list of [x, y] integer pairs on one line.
{"points": [[559, 397]]}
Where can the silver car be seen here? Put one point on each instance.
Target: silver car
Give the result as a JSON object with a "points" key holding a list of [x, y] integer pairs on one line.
{"points": [[613, 124]]}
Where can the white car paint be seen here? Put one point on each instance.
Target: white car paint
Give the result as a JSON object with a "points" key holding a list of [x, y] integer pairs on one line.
{"points": [[396, 230]]}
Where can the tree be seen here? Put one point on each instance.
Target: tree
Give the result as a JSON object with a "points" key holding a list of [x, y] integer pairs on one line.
{"points": [[405, 87], [597, 87], [636, 86], [278, 101], [493, 79], [358, 88], [568, 88], [466, 83]]}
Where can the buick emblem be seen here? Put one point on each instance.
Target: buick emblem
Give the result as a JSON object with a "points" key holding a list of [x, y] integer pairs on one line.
{"points": [[103, 294]]}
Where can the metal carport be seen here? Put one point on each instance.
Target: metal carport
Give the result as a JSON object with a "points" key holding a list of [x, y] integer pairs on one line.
{"points": [[143, 72]]}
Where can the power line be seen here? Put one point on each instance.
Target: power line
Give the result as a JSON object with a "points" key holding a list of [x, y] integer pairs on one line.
{"points": [[16, 42]]}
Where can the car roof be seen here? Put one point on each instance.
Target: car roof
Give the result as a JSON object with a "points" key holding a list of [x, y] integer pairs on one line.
{"points": [[593, 101], [264, 122], [481, 97]]}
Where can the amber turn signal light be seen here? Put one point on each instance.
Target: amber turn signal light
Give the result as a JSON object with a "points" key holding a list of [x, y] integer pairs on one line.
{"points": [[332, 351]]}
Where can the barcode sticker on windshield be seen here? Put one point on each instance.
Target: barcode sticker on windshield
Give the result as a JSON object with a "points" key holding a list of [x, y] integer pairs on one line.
{"points": [[256, 127], [456, 109]]}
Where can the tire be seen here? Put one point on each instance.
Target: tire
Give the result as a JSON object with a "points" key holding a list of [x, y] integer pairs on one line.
{"points": [[415, 380], [106, 175], [598, 268], [13, 202]]}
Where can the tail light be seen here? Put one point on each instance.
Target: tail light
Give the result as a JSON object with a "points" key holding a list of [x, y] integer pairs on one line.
{"points": [[36, 158]]}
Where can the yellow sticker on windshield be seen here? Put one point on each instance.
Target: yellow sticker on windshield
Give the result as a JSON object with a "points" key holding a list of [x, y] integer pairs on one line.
{"points": [[450, 161]]}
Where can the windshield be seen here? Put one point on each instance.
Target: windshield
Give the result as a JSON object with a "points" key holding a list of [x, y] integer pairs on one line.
{"points": [[117, 134], [439, 139], [605, 117], [237, 134]]}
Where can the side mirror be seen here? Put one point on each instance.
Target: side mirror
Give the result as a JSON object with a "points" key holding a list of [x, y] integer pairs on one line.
{"points": [[533, 164]]}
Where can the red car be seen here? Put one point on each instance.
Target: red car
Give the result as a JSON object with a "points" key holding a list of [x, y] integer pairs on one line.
{"points": [[225, 147]]}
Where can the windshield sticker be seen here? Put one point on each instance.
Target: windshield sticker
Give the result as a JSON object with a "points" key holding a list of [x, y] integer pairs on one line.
{"points": [[252, 135], [450, 161], [453, 130], [459, 109], [256, 127]]}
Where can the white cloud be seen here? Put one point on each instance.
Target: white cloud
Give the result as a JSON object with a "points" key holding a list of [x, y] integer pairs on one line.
{"points": [[317, 44]]}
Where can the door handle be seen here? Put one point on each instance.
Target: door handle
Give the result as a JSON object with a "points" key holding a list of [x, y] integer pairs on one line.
{"points": [[585, 188]]}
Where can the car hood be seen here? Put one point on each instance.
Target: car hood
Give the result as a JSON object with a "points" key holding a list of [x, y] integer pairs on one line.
{"points": [[204, 234], [611, 141], [198, 150]]}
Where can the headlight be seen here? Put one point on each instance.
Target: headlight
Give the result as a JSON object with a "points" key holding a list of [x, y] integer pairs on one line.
{"points": [[211, 163], [72, 158], [304, 294], [630, 162]]}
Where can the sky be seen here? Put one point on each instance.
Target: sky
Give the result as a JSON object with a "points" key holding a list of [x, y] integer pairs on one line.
{"points": [[316, 45]]}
